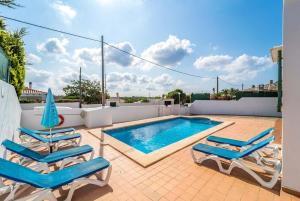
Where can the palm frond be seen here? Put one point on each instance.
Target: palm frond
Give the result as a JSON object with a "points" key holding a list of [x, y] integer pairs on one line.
{"points": [[9, 3], [20, 32]]}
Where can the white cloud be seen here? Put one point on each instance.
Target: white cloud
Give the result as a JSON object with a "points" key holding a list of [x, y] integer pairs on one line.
{"points": [[246, 62], [129, 81], [116, 82], [213, 62], [164, 80], [144, 79], [169, 52], [33, 59], [234, 69], [37, 76], [121, 77], [53, 46], [65, 11], [43, 79], [87, 55], [83, 56], [120, 58]]}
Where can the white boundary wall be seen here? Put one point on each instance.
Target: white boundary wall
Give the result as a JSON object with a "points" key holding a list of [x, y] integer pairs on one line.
{"points": [[30, 106], [32, 118], [132, 113], [95, 117], [291, 95], [10, 113], [262, 106]]}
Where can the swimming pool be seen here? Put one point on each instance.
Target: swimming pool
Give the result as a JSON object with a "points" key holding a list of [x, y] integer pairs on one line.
{"points": [[153, 136]]}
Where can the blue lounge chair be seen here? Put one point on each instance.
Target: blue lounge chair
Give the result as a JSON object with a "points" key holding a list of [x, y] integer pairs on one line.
{"points": [[53, 132], [75, 176], [31, 139], [236, 158], [239, 143], [270, 150], [43, 161]]}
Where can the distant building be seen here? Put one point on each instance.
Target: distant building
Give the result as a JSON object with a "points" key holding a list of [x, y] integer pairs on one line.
{"points": [[271, 86], [32, 94]]}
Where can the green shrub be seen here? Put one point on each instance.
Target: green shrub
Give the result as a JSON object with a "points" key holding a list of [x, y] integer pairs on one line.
{"points": [[13, 46], [256, 94], [200, 96]]}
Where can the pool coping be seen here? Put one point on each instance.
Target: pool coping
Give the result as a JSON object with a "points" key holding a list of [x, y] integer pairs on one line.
{"points": [[146, 160]]}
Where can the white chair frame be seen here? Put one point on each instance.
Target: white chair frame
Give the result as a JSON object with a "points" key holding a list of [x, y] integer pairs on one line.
{"points": [[275, 172]]}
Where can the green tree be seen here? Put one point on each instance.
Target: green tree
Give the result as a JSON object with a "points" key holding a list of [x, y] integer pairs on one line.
{"points": [[135, 99], [229, 94], [233, 93], [9, 3], [91, 91], [13, 46], [225, 93], [175, 95]]}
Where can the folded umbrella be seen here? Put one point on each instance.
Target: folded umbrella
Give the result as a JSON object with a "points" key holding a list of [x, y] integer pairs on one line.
{"points": [[50, 116]]}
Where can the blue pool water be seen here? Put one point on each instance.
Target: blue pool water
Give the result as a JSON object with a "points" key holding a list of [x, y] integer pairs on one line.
{"points": [[152, 136]]}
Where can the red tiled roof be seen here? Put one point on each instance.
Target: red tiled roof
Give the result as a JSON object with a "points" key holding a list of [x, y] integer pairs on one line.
{"points": [[28, 91]]}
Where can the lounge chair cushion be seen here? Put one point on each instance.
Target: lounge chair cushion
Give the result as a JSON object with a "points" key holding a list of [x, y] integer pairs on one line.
{"points": [[50, 158], [52, 180], [222, 140], [239, 143], [230, 154], [48, 140], [53, 132]]}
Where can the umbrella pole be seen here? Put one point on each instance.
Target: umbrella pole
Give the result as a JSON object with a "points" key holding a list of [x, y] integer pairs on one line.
{"points": [[51, 147]]}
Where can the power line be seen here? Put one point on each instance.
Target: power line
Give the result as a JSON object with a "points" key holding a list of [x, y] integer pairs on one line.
{"points": [[230, 83], [119, 49], [51, 29], [154, 63]]}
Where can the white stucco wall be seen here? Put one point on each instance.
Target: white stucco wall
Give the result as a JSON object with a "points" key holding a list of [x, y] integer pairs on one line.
{"points": [[245, 106], [32, 118], [10, 113], [30, 106], [131, 113], [95, 117], [291, 95]]}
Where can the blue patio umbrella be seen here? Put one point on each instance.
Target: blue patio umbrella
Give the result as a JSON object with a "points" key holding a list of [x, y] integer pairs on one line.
{"points": [[50, 117]]}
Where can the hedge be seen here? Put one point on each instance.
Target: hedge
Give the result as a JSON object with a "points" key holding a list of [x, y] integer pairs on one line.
{"points": [[13, 46], [200, 96]]}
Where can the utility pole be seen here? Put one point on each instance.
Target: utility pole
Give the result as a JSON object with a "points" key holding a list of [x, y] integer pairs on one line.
{"points": [[105, 83], [103, 79], [80, 89], [217, 84]]}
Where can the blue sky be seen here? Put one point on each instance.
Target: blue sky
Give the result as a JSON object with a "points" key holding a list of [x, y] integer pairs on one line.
{"points": [[226, 38]]}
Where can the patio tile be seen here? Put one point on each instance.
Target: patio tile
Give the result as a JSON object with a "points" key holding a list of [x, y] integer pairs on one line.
{"points": [[177, 177]]}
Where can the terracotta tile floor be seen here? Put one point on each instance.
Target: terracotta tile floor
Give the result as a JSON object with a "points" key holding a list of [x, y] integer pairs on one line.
{"points": [[177, 177]]}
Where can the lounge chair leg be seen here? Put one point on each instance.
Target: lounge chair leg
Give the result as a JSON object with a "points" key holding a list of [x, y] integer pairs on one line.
{"points": [[77, 183], [211, 157], [51, 196], [12, 193], [269, 184], [67, 161], [74, 186], [45, 195], [79, 141], [40, 167], [92, 155]]}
